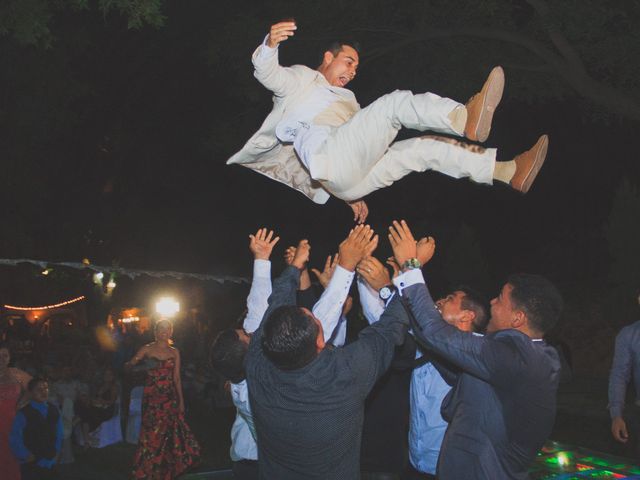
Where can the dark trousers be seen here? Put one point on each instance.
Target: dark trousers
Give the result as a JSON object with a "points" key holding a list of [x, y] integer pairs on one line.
{"points": [[411, 473], [31, 471], [245, 470]]}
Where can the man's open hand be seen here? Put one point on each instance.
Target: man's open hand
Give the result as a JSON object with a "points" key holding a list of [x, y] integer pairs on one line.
{"points": [[324, 276], [355, 246], [374, 273], [360, 210], [426, 247], [301, 257], [402, 242], [262, 243], [280, 32]]}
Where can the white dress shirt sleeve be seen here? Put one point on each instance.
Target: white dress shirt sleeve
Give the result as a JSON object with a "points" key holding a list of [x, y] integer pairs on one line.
{"points": [[258, 299], [329, 307], [408, 278], [372, 304]]}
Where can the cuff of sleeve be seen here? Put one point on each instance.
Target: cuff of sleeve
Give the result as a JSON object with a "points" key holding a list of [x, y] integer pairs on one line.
{"points": [[342, 275], [408, 278], [261, 268], [615, 412], [265, 50]]}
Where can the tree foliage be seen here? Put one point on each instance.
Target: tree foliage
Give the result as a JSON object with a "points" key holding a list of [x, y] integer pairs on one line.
{"points": [[31, 22]]}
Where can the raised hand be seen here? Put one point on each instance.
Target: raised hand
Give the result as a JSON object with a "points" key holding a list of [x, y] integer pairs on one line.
{"points": [[280, 32], [324, 276], [391, 261], [354, 247], [360, 210], [402, 242], [426, 247], [374, 272], [301, 257], [261, 244]]}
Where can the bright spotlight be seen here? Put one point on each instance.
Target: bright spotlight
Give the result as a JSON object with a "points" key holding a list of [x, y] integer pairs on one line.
{"points": [[97, 277], [167, 306]]}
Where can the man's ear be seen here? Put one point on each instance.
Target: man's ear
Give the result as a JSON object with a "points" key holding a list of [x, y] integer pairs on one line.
{"points": [[467, 317], [320, 341], [519, 319], [327, 58]]}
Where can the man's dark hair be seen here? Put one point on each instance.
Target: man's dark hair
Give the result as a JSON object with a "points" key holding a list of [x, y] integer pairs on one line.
{"points": [[289, 338], [227, 355], [538, 298], [477, 303], [335, 47], [35, 381]]}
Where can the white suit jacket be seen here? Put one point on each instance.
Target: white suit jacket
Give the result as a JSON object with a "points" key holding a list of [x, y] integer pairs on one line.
{"points": [[264, 153]]}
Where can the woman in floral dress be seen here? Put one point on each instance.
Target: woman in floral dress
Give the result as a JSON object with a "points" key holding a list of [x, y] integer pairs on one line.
{"points": [[166, 447], [12, 384]]}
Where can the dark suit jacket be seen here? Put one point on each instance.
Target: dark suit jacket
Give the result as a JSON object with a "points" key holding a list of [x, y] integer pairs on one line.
{"points": [[309, 420], [502, 406]]}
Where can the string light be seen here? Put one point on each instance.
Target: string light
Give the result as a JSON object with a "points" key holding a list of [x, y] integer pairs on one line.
{"points": [[47, 307]]}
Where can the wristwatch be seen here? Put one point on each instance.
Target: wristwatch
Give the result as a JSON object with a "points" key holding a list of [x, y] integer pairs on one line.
{"points": [[385, 292], [411, 264]]}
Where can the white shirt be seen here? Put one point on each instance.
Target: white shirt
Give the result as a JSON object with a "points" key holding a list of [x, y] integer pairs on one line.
{"points": [[243, 432]]}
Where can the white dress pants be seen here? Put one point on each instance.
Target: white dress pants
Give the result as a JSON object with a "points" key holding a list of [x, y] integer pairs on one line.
{"points": [[359, 156]]}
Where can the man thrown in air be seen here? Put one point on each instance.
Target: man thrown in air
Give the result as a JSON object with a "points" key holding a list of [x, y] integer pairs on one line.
{"points": [[320, 142]]}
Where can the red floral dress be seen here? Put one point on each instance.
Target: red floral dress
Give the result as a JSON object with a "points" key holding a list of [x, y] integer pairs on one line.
{"points": [[166, 447]]}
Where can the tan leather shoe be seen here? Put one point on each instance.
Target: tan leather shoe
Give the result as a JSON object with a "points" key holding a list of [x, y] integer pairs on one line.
{"points": [[528, 165], [482, 105]]}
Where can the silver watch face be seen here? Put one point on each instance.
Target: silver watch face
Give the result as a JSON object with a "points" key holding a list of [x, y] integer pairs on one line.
{"points": [[385, 293]]}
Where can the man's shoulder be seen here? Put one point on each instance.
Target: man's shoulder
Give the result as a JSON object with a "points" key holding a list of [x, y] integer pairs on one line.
{"points": [[633, 329]]}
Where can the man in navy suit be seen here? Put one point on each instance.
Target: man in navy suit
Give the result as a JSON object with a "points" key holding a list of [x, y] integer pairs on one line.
{"points": [[502, 405]]}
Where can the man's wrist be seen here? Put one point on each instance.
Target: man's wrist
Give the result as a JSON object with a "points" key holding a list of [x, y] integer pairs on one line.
{"points": [[411, 264], [347, 265]]}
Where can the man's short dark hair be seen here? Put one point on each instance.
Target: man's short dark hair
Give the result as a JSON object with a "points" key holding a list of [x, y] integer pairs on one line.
{"points": [[35, 381], [335, 47], [477, 303], [289, 337], [538, 298], [227, 355]]}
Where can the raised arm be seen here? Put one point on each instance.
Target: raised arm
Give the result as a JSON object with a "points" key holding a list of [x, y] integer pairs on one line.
{"points": [[268, 70], [261, 245], [490, 359], [360, 240]]}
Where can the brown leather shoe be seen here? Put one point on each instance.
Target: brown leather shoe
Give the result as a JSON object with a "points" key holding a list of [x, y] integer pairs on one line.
{"points": [[528, 165], [482, 105]]}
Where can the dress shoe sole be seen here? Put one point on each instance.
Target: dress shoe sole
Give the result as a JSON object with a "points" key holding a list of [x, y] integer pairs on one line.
{"points": [[494, 88], [540, 149]]}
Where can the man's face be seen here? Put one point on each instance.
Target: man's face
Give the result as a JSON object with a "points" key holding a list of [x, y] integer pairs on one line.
{"points": [[41, 392], [453, 313], [341, 68], [502, 311]]}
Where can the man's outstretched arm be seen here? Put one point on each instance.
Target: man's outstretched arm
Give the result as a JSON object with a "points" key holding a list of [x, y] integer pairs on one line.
{"points": [[261, 245], [268, 70]]}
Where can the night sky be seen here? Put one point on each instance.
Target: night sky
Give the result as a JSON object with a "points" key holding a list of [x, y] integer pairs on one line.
{"points": [[114, 140]]}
